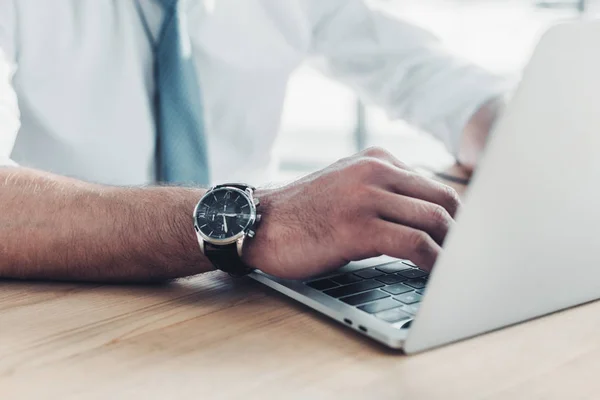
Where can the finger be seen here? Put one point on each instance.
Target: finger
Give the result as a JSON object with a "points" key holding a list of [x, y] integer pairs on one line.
{"points": [[415, 213], [400, 241], [384, 155], [412, 184]]}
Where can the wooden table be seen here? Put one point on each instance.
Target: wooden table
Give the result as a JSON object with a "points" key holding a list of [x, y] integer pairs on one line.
{"points": [[213, 337]]}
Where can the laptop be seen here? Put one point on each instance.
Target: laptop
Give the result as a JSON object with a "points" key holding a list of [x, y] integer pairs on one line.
{"points": [[527, 240]]}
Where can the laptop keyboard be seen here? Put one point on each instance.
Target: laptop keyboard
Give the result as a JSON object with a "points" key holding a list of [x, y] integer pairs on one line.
{"points": [[391, 292]]}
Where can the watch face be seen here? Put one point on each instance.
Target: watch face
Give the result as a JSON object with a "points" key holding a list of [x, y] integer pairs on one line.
{"points": [[224, 213]]}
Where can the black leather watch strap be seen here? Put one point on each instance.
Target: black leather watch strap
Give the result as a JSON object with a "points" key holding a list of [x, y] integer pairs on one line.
{"points": [[226, 259]]}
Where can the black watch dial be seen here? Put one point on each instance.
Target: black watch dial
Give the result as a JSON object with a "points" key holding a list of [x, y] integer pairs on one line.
{"points": [[224, 213]]}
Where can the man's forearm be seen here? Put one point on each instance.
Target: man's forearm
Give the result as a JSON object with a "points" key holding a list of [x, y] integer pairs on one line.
{"points": [[52, 227]]}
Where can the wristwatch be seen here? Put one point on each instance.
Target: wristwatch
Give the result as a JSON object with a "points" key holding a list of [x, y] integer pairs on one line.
{"points": [[224, 217]]}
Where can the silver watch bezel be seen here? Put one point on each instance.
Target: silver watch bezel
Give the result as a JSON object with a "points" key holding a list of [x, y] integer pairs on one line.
{"points": [[223, 242]]}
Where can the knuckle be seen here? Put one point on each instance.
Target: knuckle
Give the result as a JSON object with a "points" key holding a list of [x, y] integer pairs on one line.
{"points": [[451, 199], [419, 241], [440, 218], [403, 165], [384, 155], [423, 247], [369, 167], [376, 151]]}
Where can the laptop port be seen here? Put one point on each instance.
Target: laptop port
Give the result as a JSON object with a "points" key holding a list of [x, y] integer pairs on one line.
{"points": [[362, 328], [346, 320]]}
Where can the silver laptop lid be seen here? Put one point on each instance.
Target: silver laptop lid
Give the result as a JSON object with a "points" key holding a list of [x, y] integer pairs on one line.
{"points": [[528, 239]]}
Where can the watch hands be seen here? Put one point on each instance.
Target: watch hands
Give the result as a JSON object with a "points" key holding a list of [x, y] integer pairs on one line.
{"points": [[225, 223]]}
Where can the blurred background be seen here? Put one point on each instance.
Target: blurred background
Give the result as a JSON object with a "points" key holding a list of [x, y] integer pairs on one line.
{"points": [[496, 34]]}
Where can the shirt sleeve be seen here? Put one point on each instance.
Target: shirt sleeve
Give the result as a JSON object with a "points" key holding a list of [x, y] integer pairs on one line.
{"points": [[9, 109], [400, 67]]}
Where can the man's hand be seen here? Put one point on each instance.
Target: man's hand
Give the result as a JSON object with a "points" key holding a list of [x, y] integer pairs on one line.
{"points": [[477, 131], [360, 207], [367, 205]]}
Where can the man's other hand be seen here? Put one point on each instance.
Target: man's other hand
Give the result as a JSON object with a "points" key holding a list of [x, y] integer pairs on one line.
{"points": [[363, 206]]}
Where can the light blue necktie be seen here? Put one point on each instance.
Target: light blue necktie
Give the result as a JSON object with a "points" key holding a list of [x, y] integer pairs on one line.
{"points": [[181, 155]]}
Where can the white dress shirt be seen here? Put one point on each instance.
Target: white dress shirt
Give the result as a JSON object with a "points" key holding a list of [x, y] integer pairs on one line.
{"points": [[82, 71]]}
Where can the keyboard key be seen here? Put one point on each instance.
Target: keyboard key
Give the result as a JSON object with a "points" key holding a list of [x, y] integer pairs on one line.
{"points": [[354, 288], [392, 267], [346, 279], [413, 273], [417, 283], [379, 305], [322, 284], [411, 308], [397, 289], [393, 315], [364, 297], [421, 292], [391, 279], [409, 298], [368, 273]]}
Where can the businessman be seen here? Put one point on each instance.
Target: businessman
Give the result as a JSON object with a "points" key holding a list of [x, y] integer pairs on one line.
{"points": [[115, 113]]}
